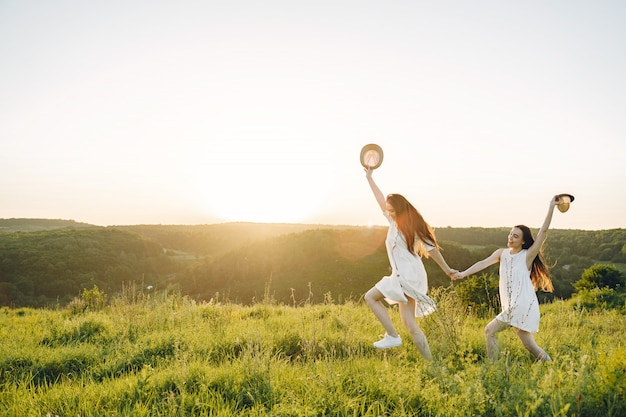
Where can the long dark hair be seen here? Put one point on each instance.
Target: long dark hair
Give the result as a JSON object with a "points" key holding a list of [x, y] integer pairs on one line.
{"points": [[539, 273], [410, 223]]}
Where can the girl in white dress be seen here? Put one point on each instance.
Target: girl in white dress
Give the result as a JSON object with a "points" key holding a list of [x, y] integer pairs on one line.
{"points": [[522, 272], [408, 239]]}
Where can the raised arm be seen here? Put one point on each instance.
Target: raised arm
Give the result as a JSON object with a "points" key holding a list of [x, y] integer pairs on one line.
{"points": [[480, 265], [533, 251], [380, 198]]}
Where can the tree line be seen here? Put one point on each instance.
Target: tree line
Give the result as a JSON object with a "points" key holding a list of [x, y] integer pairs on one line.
{"points": [[243, 262]]}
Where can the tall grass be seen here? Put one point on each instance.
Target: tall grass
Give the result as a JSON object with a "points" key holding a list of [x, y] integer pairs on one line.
{"points": [[166, 355]]}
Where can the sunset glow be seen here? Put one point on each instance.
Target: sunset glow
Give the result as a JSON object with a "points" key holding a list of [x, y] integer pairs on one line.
{"points": [[204, 112]]}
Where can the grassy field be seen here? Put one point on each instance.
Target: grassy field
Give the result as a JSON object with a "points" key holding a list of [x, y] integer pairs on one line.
{"points": [[165, 355]]}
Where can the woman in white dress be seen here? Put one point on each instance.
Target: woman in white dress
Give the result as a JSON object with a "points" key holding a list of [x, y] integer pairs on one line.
{"points": [[522, 272], [408, 239]]}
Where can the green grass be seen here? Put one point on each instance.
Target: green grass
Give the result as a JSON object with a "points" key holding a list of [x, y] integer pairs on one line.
{"points": [[165, 355]]}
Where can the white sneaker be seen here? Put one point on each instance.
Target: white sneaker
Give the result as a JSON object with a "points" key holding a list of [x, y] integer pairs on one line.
{"points": [[388, 342]]}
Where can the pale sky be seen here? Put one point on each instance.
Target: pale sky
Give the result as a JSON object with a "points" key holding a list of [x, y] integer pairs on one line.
{"points": [[198, 112]]}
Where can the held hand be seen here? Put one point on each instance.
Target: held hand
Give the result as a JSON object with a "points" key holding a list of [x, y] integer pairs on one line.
{"points": [[555, 201], [452, 273], [457, 275]]}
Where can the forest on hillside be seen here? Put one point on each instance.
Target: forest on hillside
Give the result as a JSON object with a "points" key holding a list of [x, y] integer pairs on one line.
{"points": [[47, 264]]}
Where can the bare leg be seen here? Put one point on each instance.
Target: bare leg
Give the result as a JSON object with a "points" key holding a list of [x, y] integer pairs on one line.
{"points": [[407, 314], [374, 298], [491, 334], [529, 343]]}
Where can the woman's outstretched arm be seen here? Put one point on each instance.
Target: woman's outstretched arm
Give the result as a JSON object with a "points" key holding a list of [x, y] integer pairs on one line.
{"points": [[480, 265], [533, 251], [438, 258], [380, 198]]}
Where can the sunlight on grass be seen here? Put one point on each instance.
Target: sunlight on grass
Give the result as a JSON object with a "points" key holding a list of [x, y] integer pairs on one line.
{"points": [[167, 355]]}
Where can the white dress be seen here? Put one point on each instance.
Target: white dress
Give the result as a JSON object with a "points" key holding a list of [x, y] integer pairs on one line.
{"points": [[520, 306], [408, 275]]}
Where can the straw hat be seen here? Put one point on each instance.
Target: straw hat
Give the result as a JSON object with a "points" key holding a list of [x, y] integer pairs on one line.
{"points": [[371, 156], [564, 202]]}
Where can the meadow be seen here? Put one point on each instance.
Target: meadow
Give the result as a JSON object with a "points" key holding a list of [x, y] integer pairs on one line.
{"points": [[163, 354]]}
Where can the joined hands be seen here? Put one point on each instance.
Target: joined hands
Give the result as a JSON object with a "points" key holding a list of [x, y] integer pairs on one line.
{"points": [[454, 275]]}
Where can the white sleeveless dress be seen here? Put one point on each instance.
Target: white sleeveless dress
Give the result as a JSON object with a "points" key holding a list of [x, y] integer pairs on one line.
{"points": [[408, 275], [520, 306]]}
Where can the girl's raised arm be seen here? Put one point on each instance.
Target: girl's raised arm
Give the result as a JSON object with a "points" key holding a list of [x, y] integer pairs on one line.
{"points": [[380, 198], [533, 251]]}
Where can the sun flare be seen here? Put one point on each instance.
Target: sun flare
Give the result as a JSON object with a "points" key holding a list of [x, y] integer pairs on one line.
{"points": [[274, 193]]}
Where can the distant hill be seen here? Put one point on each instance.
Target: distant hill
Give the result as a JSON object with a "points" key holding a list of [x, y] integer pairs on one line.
{"points": [[45, 267], [44, 262], [30, 225], [306, 266], [215, 239]]}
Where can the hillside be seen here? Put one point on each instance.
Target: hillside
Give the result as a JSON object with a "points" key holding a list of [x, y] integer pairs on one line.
{"points": [[244, 262], [216, 239], [305, 266], [53, 266], [31, 225]]}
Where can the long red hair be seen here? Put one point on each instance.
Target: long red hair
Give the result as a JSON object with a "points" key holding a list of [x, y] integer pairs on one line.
{"points": [[540, 272], [411, 223]]}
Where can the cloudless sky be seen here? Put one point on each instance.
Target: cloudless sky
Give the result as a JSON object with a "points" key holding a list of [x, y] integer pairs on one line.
{"points": [[194, 112]]}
